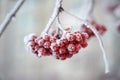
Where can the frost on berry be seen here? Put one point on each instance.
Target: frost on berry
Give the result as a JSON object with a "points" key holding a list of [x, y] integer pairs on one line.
{"points": [[46, 37], [65, 41], [47, 44], [53, 39], [55, 53], [44, 52], [78, 36], [60, 43], [84, 36], [63, 48], [71, 47], [30, 37], [41, 42], [54, 47], [70, 37]]}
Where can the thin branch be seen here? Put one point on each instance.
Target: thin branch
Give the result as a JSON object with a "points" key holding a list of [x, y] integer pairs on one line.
{"points": [[59, 24], [10, 15], [101, 46], [54, 15], [98, 37]]}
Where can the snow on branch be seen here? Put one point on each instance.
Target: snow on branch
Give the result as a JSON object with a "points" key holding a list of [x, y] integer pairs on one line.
{"points": [[10, 15]]}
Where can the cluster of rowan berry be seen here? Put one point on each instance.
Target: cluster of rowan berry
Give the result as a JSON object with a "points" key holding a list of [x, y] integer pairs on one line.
{"points": [[100, 28], [61, 48]]}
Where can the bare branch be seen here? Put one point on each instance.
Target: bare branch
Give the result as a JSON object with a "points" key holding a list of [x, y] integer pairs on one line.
{"points": [[10, 15]]}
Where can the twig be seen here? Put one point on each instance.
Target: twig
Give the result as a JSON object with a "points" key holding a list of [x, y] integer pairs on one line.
{"points": [[54, 15], [10, 15], [90, 10], [101, 46], [98, 37], [59, 24]]}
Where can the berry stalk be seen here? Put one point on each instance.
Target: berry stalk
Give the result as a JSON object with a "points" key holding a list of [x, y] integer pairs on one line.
{"points": [[54, 15], [98, 37]]}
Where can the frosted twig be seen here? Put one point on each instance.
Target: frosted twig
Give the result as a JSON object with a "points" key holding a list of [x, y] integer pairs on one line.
{"points": [[54, 15], [98, 37], [59, 24], [10, 15]]}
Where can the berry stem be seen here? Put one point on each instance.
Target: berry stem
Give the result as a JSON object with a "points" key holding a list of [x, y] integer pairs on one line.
{"points": [[101, 46], [59, 24], [98, 37], [54, 15], [10, 16], [57, 32]]}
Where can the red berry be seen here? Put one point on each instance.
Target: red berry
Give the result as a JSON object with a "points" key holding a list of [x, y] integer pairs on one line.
{"points": [[84, 45], [54, 47], [62, 56], [65, 41], [37, 47], [70, 37], [71, 47], [60, 43], [53, 39], [62, 50], [46, 37], [41, 42], [69, 55], [78, 47], [84, 36], [43, 51], [31, 44], [78, 36], [102, 30], [37, 39], [35, 52], [47, 44]]}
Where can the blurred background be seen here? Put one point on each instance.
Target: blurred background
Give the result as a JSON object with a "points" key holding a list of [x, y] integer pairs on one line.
{"points": [[18, 64]]}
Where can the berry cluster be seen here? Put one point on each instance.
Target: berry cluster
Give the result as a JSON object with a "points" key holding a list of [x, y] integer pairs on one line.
{"points": [[100, 28], [65, 47]]}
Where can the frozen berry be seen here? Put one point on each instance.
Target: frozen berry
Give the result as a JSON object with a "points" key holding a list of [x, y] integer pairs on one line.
{"points": [[47, 44], [71, 47]]}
